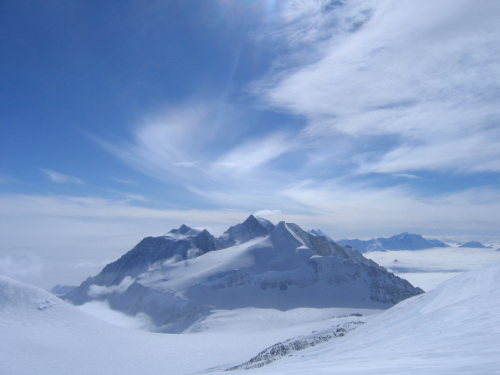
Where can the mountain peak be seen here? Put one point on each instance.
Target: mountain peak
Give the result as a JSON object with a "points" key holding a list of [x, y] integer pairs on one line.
{"points": [[251, 220], [473, 244], [249, 229], [183, 229]]}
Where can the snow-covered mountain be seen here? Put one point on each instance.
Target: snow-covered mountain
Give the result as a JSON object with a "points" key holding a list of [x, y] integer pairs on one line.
{"points": [[179, 278], [474, 244], [179, 244], [319, 232], [246, 231], [403, 241]]}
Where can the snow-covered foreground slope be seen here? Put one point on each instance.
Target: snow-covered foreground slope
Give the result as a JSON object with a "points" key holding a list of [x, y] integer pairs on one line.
{"points": [[453, 329], [41, 334], [286, 269]]}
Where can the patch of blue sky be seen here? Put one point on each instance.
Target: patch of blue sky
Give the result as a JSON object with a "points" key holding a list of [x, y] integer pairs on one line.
{"points": [[250, 105]]}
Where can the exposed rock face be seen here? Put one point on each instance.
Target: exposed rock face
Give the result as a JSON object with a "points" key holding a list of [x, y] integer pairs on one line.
{"points": [[178, 244], [246, 231], [289, 347], [319, 232], [179, 278]]}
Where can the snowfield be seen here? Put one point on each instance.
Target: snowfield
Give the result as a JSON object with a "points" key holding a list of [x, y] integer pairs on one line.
{"points": [[41, 334], [429, 268], [454, 328]]}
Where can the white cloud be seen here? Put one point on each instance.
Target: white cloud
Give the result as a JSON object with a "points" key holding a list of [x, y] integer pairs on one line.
{"points": [[424, 71], [253, 154], [21, 265], [406, 175], [101, 290], [359, 208], [5, 180], [476, 153], [61, 178], [176, 142], [101, 310], [124, 181], [134, 197], [267, 213]]}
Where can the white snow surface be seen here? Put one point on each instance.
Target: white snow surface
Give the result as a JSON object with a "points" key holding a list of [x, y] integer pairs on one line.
{"points": [[41, 334], [454, 328], [430, 267]]}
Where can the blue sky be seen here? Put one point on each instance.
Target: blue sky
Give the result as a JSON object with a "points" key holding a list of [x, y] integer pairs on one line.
{"points": [[123, 119]]}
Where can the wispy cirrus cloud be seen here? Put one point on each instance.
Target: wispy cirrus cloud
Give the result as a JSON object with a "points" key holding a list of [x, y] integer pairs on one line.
{"points": [[61, 178], [6, 180], [255, 153], [199, 148], [424, 71], [391, 89]]}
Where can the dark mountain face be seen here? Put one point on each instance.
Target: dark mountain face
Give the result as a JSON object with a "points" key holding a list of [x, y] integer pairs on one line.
{"points": [[177, 246], [251, 228], [182, 230]]}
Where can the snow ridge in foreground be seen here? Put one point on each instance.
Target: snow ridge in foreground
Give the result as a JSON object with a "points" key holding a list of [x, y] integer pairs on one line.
{"points": [[454, 328], [291, 346]]}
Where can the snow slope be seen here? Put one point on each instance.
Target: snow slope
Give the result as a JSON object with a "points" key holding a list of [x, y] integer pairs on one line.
{"points": [[455, 328], [452, 329], [285, 270], [41, 334]]}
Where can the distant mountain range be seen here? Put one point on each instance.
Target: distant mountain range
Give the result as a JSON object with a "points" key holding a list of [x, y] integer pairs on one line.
{"points": [[180, 277], [403, 241], [474, 244]]}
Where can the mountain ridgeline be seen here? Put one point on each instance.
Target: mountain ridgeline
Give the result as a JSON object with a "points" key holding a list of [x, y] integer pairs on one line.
{"points": [[403, 241], [179, 278]]}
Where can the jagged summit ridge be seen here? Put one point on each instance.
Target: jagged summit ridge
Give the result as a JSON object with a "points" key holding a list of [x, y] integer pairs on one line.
{"points": [[249, 229], [184, 229], [319, 232], [181, 244]]}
